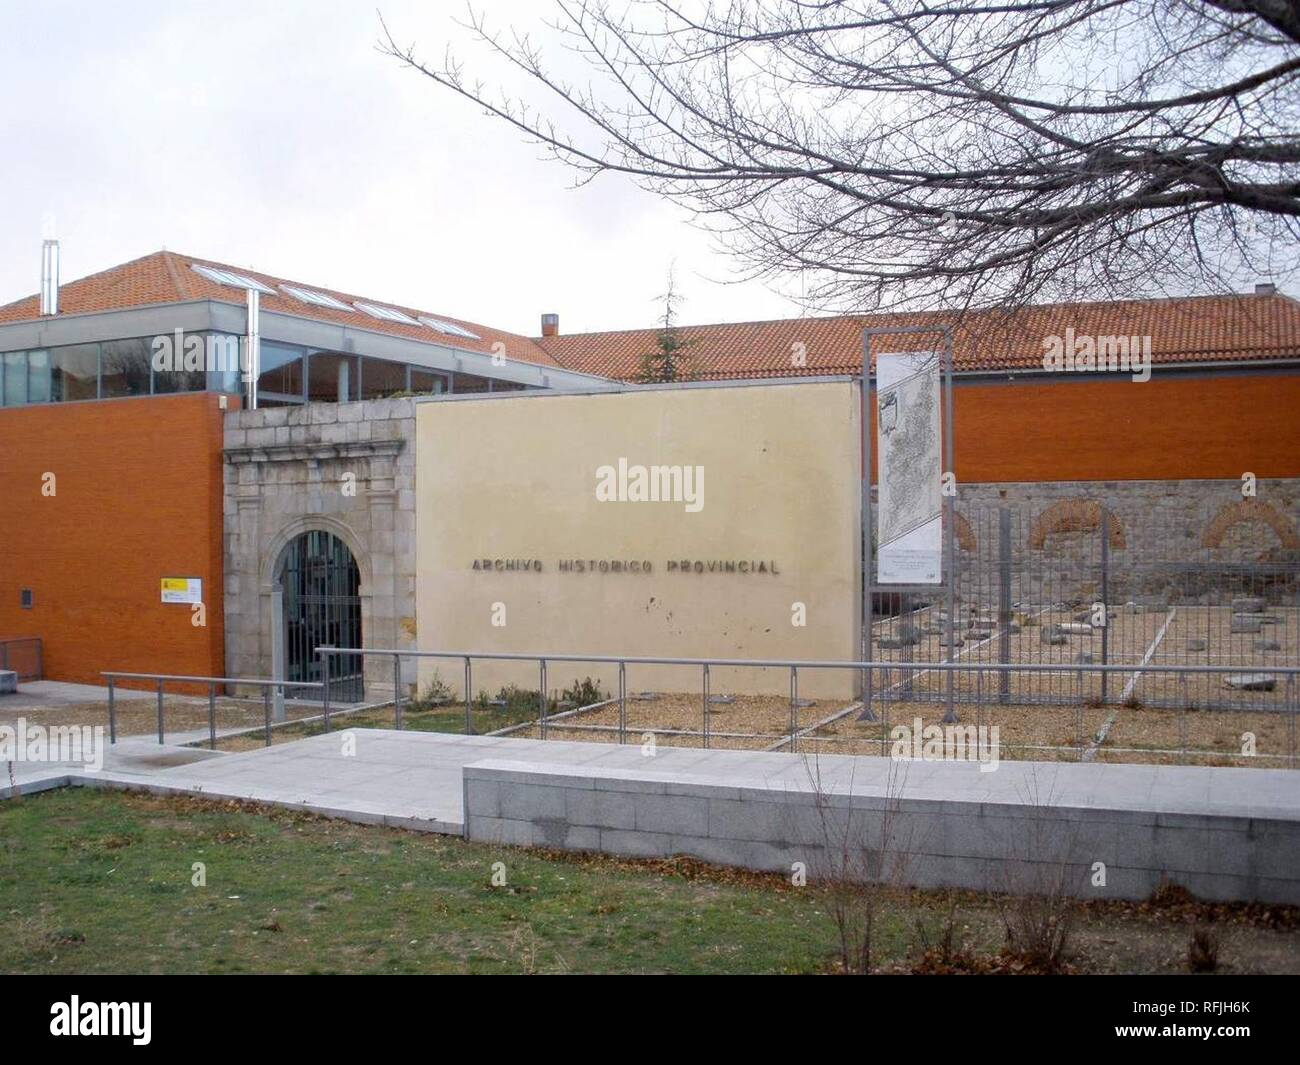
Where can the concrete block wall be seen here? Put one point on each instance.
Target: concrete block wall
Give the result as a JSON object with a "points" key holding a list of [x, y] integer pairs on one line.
{"points": [[955, 842]]}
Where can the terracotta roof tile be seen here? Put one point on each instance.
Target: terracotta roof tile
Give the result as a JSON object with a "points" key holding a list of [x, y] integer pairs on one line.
{"points": [[167, 277], [1186, 330]]}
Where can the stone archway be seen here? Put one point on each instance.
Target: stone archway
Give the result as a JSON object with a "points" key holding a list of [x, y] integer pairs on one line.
{"points": [[1075, 516], [288, 624], [1250, 512], [317, 596]]}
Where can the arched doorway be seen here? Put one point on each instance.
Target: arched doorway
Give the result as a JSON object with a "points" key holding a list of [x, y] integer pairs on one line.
{"points": [[321, 588]]}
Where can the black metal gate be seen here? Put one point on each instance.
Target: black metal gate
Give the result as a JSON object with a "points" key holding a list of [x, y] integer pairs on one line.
{"points": [[322, 607]]}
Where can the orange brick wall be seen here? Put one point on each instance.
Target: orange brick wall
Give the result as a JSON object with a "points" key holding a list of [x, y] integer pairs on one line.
{"points": [[1077, 428], [138, 498]]}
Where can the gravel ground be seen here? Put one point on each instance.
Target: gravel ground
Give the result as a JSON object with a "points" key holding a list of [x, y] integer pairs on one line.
{"points": [[1024, 731]]}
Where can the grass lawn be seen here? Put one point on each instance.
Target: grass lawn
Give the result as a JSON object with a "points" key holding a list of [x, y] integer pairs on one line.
{"points": [[100, 882]]}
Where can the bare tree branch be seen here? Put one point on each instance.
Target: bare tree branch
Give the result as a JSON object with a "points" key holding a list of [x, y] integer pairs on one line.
{"points": [[901, 153]]}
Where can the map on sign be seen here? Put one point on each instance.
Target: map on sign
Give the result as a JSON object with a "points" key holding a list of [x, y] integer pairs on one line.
{"points": [[910, 520]]}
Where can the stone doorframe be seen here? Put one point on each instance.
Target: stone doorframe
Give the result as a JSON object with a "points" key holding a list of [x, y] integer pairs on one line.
{"points": [[274, 492], [270, 593]]}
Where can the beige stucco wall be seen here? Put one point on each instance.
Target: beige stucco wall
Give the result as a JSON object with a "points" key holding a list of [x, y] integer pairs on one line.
{"points": [[516, 478]]}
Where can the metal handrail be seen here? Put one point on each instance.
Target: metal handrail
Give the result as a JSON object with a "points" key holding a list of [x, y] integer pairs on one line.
{"points": [[781, 663], [210, 680], [1079, 669], [267, 685]]}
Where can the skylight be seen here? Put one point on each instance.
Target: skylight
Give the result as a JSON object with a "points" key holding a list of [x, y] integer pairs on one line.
{"points": [[307, 295], [388, 313], [440, 326], [229, 277]]}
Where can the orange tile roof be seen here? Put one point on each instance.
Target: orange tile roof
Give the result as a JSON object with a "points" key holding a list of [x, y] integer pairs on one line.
{"points": [[167, 277], [1182, 330]]}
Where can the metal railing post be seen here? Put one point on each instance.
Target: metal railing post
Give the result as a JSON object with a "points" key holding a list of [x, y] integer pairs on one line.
{"points": [[1105, 600], [794, 706], [212, 716], [1291, 709], [1182, 714], [1004, 603], [266, 711], [397, 690], [160, 712], [705, 679], [112, 713], [469, 701], [325, 686], [622, 702], [542, 664]]}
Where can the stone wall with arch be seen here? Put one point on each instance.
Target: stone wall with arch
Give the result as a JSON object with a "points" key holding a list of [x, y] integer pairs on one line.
{"points": [[347, 469]]}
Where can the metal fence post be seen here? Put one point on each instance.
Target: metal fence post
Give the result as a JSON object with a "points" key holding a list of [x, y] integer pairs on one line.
{"points": [[469, 701], [325, 686], [1004, 603], [794, 706], [903, 626], [112, 713], [1182, 714], [622, 702], [1291, 709], [266, 712], [541, 662], [212, 716], [160, 712], [397, 690], [1105, 598], [706, 705]]}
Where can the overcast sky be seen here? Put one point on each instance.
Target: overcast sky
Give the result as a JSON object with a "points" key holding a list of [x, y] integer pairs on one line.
{"points": [[275, 136]]}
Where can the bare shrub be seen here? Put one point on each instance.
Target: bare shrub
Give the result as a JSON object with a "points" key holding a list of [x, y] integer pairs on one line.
{"points": [[863, 856], [1203, 950], [1038, 909]]}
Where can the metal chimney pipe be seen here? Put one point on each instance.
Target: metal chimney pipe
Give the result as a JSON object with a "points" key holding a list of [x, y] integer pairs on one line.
{"points": [[50, 277], [254, 345]]}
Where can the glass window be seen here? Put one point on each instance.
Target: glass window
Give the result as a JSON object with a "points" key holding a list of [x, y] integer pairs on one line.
{"points": [[185, 371], [281, 378], [73, 372], [38, 377], [380, 378], [14, 389], [468, 382], [125, 367], [225, 370], [424, 382], [332, 378]]}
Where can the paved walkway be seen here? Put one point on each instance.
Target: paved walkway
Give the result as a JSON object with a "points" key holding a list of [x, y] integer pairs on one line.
{"points": [[39, 694], [414, 779]]}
